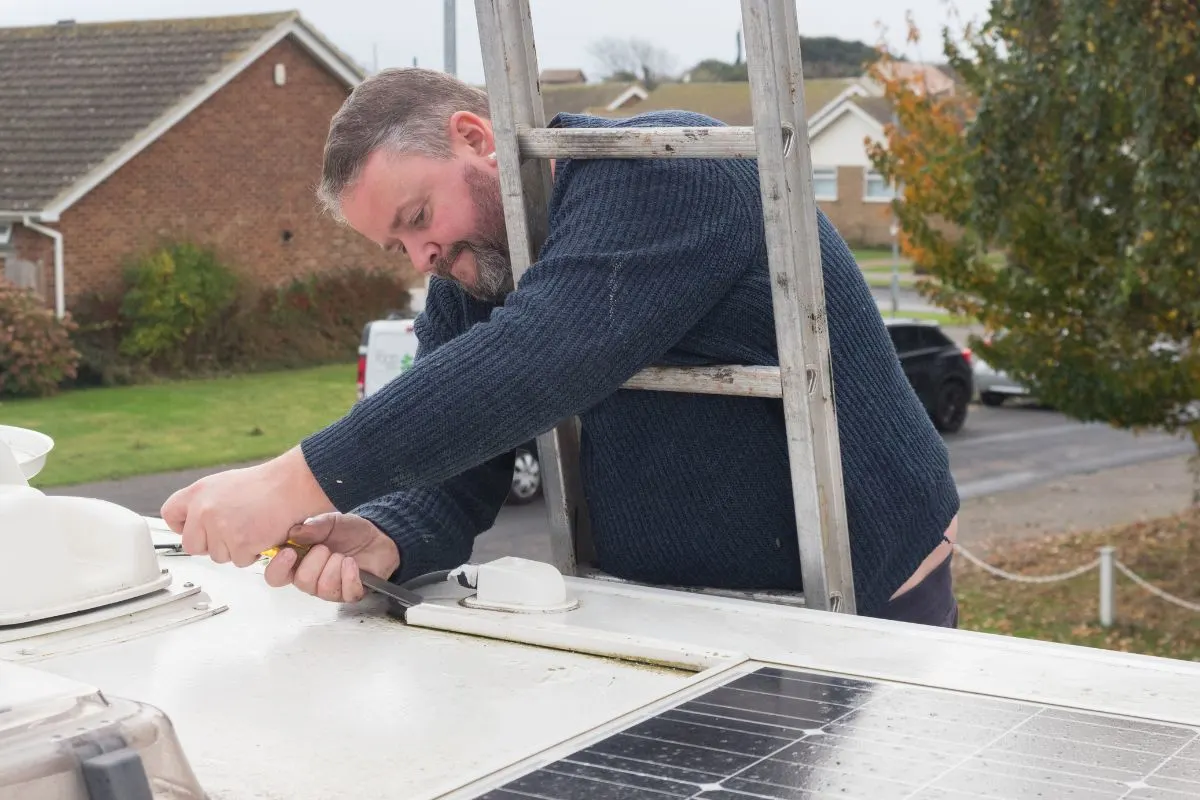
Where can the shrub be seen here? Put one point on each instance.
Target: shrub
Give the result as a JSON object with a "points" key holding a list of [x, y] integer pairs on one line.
{"points": [[175, 297], [98, 332], [36, 354], [316, 319], [312, 320]]}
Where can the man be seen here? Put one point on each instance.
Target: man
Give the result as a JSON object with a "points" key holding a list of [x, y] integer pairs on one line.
{"points": [[647, 262]]}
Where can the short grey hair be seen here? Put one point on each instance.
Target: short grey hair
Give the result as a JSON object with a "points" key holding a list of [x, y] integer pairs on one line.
{"points": [[406, 111]]}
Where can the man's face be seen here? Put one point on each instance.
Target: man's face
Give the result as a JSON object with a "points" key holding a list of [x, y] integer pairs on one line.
{"points": [[445, 213]]}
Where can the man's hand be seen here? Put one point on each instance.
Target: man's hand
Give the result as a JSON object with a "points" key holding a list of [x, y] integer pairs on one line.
{"points": [[340, 545], [237, 514]]}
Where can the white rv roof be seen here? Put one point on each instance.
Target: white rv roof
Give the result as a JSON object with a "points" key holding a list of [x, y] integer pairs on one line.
{"points": [[276, 694]]}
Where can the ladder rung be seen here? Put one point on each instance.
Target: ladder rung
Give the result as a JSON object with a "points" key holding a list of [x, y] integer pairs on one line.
{"points": [[732, 380], [723, 142]]}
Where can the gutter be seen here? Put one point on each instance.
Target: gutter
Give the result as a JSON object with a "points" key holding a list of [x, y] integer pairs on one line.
{"points": [[60, 302]]}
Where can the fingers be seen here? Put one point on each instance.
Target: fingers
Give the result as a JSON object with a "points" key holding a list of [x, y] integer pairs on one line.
{"points": [[329, 576], [218, 551], [329, 582], [244, 559], [308, 572], [281, 569], [174, 510], [195, 541], [352, 588]]}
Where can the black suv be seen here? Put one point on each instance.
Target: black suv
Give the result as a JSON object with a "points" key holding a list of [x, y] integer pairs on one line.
{"points": [[938, 369]]}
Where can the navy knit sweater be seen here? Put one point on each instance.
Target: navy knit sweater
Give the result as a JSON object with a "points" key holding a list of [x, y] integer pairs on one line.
{"points": [[648, 262]]}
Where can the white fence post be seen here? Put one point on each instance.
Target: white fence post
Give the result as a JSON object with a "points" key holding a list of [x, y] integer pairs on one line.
{"points": [[1106, 585]]}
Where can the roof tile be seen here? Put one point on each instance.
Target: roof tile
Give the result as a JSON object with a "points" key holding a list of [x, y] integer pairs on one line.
{"points": [[74, 94]]}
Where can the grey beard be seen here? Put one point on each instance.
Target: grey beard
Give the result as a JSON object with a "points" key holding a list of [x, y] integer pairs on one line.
{"points": [[493, 275], [493, 272]]}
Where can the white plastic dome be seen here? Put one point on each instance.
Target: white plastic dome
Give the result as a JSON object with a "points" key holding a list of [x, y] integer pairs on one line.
{"points": [[64, 555]]}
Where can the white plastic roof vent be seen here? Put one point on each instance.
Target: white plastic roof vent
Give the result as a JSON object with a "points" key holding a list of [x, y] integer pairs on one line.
{"points": [[64, 555], [62, 740]]}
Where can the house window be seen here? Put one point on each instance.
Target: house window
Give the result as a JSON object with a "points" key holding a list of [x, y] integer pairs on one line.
{"points": [[6, 229], [825, 183], [877, 189]]}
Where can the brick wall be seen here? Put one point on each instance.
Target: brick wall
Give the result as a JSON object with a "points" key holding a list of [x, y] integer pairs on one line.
{"points": [[861, 223], [235, 174]]}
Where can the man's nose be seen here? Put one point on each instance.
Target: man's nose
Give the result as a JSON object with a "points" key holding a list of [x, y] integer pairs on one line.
{"points": [[429, 256]]}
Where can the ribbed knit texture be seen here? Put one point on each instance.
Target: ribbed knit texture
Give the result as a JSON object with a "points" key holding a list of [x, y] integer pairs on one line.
{"points": [[647, 262]]}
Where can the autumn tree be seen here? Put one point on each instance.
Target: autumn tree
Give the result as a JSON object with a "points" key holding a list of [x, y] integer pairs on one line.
{"points": [[1055, 197]]}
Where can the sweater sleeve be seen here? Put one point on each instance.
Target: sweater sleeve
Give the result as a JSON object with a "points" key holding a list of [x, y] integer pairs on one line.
{"points": [[639, 252], [435, 527]]}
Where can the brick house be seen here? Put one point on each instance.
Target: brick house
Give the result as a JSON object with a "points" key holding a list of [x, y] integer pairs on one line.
{"points": [[854, 197], [117, 137]]}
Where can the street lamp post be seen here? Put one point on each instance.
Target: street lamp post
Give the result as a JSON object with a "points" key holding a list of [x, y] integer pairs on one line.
{"points": [[450, 37]]}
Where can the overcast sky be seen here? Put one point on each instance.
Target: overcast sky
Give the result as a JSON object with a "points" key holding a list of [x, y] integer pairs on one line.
{"points": [[401, 30]]}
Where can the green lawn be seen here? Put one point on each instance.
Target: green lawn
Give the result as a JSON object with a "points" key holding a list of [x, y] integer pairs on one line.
{"points": [[117, 432], [872, 254]]}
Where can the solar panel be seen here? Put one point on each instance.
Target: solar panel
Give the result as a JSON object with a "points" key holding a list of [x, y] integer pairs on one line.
{"points": [[783, 734]]}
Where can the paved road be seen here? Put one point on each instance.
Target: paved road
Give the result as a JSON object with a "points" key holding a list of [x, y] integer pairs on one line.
{"points": [[997, 450], [1017, 447]]}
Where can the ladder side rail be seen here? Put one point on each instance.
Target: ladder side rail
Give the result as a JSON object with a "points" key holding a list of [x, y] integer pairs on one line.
{"points": [[823, 403], [789, 215], [510, 70]]}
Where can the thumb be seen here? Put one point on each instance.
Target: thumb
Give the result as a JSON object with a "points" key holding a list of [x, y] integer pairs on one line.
{"points": [[313, 530]]}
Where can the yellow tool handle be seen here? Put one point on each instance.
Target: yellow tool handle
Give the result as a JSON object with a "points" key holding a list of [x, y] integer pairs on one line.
{"points": [[301, 549]]}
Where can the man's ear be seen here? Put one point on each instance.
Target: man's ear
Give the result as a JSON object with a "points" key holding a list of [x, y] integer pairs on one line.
{"points": [[473, 133]]}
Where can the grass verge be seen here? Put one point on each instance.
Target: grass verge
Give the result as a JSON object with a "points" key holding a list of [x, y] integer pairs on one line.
{"points": [[862, 254], [940, 317], [1165, 552], [883, 280], [103, 434]]}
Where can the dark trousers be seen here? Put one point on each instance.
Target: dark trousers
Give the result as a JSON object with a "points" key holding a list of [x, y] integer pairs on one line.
{"points": [[930, 602]]}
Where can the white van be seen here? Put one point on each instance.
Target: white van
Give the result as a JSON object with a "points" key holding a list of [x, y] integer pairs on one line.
{"points": [[388, 348]]}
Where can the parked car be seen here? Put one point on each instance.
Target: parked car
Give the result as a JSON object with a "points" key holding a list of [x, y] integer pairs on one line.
{"points": [[387, 349], [938, 369], [995, 386]]}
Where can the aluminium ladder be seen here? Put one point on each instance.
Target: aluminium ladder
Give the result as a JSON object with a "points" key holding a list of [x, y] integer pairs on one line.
{"points": [[779, 140]]}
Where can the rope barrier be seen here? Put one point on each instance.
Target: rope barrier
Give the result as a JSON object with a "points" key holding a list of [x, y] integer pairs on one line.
{"points": [[1154, 590], [999, 573], [1106, 591]]}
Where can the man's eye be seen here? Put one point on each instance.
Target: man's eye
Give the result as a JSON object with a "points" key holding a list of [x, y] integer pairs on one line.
{"points": [[420, 218]]}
